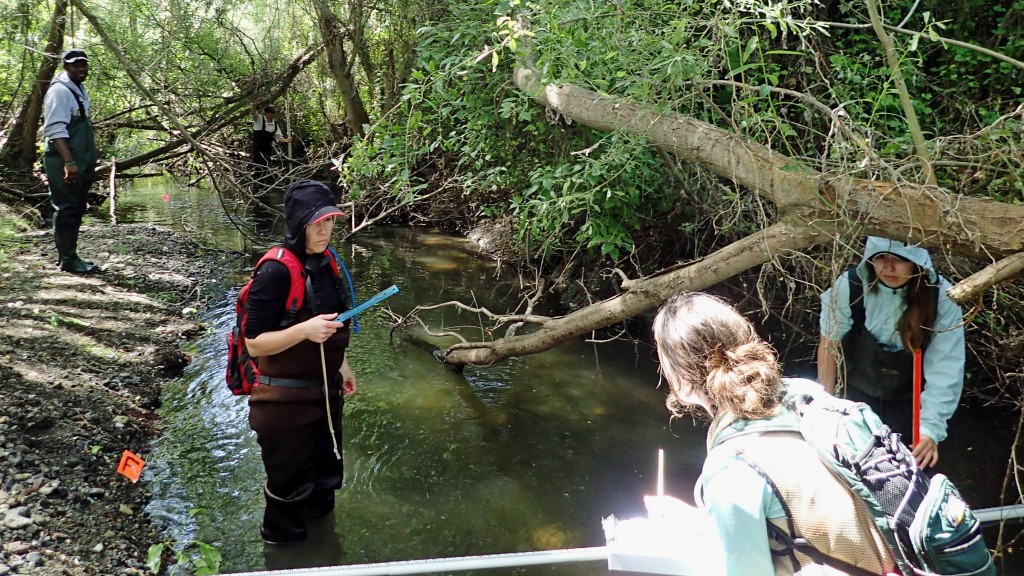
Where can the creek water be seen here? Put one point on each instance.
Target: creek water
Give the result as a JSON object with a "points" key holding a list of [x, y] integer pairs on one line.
{"points": [[526, 455]]}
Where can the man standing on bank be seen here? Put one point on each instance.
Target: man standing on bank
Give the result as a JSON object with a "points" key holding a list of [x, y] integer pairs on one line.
{"points": [[264, 132], [70, 157]]}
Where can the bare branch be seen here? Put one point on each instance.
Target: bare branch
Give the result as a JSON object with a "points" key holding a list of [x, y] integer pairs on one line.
{"points": [[970, 287]]}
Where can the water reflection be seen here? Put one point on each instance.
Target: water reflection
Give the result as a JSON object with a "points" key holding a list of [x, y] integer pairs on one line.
{"points": [[197, 211], [525, 455]]}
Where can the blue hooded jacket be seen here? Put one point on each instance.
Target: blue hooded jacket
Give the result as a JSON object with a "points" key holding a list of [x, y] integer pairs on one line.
{"points": [[943, 361]]}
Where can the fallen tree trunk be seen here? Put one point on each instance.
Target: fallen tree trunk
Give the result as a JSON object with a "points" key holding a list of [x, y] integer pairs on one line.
{"points": [[641, 296], [233, 113], [929, 215], [813, 207]]}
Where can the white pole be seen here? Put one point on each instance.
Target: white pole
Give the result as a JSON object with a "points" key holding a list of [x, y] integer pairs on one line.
{"points": [[113, 191], [595, 554], [288, 124], [660, 491], [448, 564], [1000, 513]]}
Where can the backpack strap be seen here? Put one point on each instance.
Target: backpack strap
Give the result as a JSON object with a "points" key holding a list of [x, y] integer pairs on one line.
{"points": [[299, 284], [798, 544], [336, 262], [74, 94], [297, 288], [935, 298], [856, 300]]}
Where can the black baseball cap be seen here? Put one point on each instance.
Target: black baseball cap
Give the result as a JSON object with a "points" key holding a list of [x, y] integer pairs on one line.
{"points": [[73, 55], [310, 201]]}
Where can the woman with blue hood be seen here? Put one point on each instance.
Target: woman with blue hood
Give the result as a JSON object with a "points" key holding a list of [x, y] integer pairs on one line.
{"points": [[296, 410], [872, 319]]}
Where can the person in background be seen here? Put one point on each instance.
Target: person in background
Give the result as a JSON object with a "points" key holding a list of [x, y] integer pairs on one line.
{"points": [[69, 159], [264, 133], [296, 410], [872, 318], [714, 362]]}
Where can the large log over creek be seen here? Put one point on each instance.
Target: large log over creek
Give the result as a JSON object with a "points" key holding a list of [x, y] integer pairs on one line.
{"points": [[812, 207]]}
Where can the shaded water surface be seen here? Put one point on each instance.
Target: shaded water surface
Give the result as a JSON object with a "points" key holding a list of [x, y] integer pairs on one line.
{"points": [[526, 455]]}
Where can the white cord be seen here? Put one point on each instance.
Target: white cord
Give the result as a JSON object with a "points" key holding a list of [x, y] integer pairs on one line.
{"points": [[327, 401]]}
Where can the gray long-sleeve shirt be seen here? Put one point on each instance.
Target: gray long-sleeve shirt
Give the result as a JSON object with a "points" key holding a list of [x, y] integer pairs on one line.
{"points": [[60, 106]]}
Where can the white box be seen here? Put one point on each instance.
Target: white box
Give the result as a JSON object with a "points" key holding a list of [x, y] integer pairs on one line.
{"points": [[669, 546]]}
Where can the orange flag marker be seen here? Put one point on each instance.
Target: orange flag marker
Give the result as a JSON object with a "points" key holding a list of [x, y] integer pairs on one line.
{"points": [[130, 466]]}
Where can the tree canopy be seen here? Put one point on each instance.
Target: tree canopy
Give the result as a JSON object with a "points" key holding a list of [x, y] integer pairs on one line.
{"points": [[625, 150], [636, 134]]}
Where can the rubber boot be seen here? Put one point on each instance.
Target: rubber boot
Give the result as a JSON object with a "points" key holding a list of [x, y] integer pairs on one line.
{"points": [[76, 265], [81, 266], [321, 503], [76, 229], [62, 240], [284, 519], [65, 237]]}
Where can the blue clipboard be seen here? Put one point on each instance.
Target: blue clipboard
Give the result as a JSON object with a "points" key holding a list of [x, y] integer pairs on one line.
{"points": [[376, 299]]}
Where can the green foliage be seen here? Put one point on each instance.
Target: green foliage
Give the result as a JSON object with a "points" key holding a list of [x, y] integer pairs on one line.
{"points": [[436, 77], [456, 109], [193, 558], [597, 201], [21, 23], [460, 118], [725, 62]]}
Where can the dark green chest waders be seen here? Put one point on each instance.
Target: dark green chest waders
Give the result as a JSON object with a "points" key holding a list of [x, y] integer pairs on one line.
{"points": [[69, 200], [870, 368]]}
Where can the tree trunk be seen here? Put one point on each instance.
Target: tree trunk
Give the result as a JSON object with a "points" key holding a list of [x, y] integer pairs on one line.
{"points": [[813, 208], [935, 218], [360, 46], [341, 67], [640, 296], [236, 108], [21, 148]]}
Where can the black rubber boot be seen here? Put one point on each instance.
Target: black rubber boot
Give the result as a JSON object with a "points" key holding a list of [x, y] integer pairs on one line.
{"points": [[65, 237], [63, 241], [76, 265], [284, 519], [321, 503]]}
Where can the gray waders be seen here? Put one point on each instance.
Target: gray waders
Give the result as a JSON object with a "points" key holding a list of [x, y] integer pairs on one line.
{"points": [[69, 199]]}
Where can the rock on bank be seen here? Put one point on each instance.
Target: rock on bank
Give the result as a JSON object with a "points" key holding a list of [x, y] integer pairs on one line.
{"points": [[82, 361]]}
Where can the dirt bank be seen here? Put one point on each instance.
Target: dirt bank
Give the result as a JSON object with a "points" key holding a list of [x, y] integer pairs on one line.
{"points": [[82, 361]]}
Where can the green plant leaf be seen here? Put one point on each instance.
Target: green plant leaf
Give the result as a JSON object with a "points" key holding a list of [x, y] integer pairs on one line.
{"points": [[153, 558]]}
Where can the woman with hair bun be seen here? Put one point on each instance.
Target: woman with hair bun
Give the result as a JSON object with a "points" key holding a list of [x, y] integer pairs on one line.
{"points": [[714, 362]]}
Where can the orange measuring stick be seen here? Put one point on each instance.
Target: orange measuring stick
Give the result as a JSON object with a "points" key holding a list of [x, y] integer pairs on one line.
{"points": [[130, 466], [917, 396]]}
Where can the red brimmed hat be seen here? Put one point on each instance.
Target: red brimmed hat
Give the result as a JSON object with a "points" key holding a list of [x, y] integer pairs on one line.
{"points": [[325, 213], [309, 201]]}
